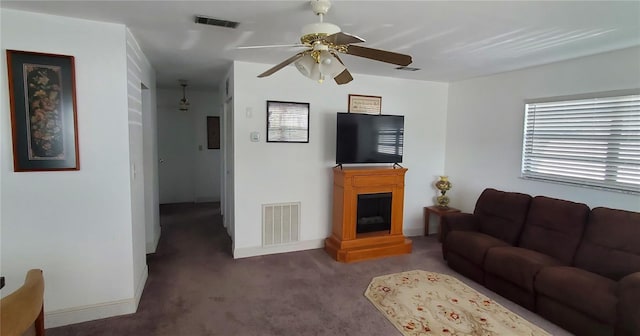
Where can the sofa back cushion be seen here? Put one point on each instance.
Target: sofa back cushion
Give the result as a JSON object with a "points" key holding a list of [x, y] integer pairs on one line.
{"points": [[611, 243], [554, 227], [502, 214]]}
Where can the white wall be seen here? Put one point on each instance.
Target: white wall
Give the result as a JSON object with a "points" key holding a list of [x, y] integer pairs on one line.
{"points": [[74, 225], [285, 172], [140, 74], [187, 173], [485, 125]]}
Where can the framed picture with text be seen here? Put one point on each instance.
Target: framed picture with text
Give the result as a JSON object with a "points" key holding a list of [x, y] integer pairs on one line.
{"points": [[287, 122], [365, 104], [43, 111]]}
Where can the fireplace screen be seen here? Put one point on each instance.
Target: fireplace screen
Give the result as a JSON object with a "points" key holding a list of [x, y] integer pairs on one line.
{"points": [[374, 213]]}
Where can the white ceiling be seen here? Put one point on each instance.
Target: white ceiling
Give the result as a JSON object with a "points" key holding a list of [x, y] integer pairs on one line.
{"points": [[449, 40]]}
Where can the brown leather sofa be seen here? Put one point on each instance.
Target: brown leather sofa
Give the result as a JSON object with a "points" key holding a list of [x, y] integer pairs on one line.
{"points": [[577, 267]]}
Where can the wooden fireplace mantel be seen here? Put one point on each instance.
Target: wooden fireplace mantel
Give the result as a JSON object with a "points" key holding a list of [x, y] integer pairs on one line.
{"points": [[345, 244]]}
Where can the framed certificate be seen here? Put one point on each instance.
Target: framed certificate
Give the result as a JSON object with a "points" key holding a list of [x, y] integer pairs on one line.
{"points": [[365, 104]]}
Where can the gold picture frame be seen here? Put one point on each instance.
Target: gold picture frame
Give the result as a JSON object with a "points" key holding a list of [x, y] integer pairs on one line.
{"points": [[364, 104]]}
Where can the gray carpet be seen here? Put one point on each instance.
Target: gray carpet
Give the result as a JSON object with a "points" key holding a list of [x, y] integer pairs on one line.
{"points": [[195, 287]]}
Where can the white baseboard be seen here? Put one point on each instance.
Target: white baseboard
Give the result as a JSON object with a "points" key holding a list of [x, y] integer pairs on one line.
{"points": [[63, 317], [245, 252], [152, 246], [142, 280]]}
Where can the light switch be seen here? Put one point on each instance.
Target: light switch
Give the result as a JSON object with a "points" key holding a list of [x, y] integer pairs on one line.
{"points": [[255, 136], [199, 147], [249, 112]]}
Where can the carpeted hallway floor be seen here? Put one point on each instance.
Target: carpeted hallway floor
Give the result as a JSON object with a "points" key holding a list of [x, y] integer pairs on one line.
{"points": [[196, 288]]}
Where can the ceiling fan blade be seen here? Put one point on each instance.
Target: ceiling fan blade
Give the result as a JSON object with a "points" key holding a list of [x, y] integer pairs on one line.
{"points": [[273, 46], [281, 65], [343, 78], [379, 55], [341, 38]]}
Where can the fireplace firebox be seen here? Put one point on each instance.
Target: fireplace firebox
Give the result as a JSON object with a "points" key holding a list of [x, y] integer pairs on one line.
{"points": [[374, 213]]}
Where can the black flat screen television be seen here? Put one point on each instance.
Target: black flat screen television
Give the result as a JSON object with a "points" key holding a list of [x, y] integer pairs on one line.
{"points": [[368, 138]]}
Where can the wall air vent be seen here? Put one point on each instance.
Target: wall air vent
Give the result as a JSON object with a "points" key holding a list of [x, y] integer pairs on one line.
{"points": [[216, 22], [280, 223], [406, 68]]}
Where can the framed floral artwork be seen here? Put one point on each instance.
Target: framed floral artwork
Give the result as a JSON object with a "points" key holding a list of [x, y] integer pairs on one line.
{"points": [[43, 111]]}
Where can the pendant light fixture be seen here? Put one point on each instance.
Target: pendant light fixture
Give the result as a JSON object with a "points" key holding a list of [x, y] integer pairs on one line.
{"points": [[184, 103]]}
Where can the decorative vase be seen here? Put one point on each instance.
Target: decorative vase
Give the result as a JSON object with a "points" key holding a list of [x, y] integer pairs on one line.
{"points": [[443, 185], [443, 201]]}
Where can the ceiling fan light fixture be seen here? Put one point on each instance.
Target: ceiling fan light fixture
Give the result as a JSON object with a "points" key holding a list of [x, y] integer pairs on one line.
{"points": [[325, 66], [329, 65], [308, 66], [305, 65]]}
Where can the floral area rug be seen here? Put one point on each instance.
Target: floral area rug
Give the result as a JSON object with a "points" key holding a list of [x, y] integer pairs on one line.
{"points": [[428, 303]]}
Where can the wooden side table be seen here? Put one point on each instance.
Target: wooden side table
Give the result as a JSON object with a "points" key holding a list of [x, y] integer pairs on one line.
{"points": [[438, 211]]}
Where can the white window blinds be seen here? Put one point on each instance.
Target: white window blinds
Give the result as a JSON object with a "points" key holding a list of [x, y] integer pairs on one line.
{"points": [[589, 142]]}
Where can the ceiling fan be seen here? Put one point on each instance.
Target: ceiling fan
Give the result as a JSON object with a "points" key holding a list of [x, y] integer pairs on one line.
{"points": [[323, 42]]}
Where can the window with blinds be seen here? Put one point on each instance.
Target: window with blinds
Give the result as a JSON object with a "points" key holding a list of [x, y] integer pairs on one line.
{"points": [[588, 142]]}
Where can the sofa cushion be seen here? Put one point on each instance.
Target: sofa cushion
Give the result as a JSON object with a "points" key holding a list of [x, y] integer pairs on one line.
{"points": [[502, 214], [611, 243], [628, 292], [573, 321], [554, 227], [587, 292], [517, 265], [471, 245], [457, 222]]}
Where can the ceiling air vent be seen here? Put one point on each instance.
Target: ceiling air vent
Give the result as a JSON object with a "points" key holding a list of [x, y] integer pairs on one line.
{"points": [[216, 22], [406, 68]]}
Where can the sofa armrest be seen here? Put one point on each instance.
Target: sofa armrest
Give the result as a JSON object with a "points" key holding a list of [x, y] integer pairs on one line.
{"points": [[628, 308], [458, 222]]}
